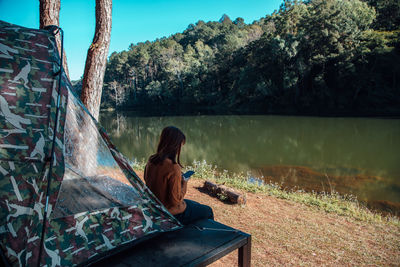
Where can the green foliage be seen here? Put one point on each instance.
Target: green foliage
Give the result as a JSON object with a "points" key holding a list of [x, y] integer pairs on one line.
{"points": [[333, 28], [388, 14], [310, 57]]}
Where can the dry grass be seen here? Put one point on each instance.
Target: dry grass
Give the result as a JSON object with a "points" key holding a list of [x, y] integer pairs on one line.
{"points": [[287, 233]]}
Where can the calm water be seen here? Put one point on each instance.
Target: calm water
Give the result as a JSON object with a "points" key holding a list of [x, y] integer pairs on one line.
{"points": [[358, 156]]}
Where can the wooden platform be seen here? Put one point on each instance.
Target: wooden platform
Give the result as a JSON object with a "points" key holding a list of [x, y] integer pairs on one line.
{"points": [[194, 245]]}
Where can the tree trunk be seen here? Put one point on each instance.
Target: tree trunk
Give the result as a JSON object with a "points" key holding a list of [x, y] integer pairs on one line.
{"points": [[96, 58], [49, 15]]}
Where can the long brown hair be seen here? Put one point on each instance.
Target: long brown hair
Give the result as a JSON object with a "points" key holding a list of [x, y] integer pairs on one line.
{"points": [[169, 146]]}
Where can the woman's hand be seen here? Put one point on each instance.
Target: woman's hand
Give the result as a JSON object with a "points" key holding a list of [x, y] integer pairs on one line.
{"points": [[184, 181], [184, 186]]}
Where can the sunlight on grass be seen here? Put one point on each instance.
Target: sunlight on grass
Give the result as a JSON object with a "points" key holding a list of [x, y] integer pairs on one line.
{"points": [[331, 202]]}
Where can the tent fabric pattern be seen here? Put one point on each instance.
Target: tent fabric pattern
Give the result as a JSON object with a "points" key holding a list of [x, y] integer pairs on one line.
{"points": [[27, 102], [93, 199]]}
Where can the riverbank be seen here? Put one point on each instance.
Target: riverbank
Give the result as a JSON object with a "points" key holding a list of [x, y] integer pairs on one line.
{"points": [[298, 228], [330, 202], [159, 110]]}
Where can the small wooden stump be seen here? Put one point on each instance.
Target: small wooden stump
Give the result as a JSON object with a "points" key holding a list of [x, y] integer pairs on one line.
{"points": [[222, 191]]}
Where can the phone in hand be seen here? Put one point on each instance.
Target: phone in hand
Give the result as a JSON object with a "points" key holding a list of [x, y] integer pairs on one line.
{"points": [[186, 175]]}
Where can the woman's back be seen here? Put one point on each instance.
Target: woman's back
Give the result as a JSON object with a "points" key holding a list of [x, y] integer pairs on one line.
{"points": [[164, 180]]}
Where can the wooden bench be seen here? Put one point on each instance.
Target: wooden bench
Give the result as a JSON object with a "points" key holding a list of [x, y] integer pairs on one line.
{"points": [[198, 244]]}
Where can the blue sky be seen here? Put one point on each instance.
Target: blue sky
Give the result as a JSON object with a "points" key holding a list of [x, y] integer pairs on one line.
{"points": [[133, 20]]}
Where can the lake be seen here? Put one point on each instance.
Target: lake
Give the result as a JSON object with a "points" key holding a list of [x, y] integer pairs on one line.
{"points": [[358, 156]]}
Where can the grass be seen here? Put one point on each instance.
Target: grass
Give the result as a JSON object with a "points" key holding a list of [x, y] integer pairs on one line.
{"points": [[295, 228], [331, 202]]}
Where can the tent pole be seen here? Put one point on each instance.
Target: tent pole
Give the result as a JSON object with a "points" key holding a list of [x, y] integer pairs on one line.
{"points": [[55, 30]]}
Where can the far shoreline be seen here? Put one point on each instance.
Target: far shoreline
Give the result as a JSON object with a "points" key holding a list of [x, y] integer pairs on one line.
{"points": [[163, 112]]}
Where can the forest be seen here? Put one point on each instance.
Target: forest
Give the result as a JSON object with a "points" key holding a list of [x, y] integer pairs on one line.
{"points": [[316, 57]]}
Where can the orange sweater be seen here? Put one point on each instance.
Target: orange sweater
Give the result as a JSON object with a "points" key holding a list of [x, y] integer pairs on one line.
{"points": [[165, 181]]}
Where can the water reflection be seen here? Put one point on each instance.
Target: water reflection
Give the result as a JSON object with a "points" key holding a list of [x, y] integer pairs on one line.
{"points": [[359, 154]]}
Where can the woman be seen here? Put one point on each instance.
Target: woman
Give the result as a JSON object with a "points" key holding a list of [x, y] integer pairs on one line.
{"points": [[163, 176]]}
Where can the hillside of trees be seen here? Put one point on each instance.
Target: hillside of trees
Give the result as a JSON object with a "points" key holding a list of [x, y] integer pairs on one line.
{"points": [[317, 57]]}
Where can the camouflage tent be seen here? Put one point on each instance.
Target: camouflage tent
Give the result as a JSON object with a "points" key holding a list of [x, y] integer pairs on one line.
{"points": [[67, 195]]}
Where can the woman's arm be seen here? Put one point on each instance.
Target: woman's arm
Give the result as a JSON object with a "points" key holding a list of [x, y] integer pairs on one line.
{"points": [[177, 186]]}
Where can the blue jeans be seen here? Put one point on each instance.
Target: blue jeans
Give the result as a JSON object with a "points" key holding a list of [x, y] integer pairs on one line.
{"points": [[194, 211]]}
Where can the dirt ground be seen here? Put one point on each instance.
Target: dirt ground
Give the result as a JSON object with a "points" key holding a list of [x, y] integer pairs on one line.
{"points": [[285, 233]]}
